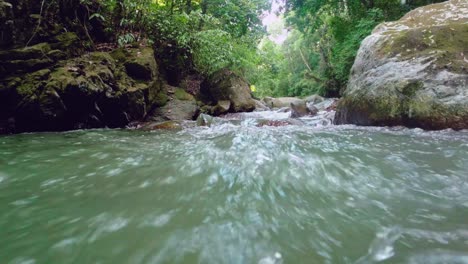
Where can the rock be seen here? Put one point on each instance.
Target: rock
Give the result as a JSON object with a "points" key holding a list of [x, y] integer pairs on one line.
{"points": [[314, 99], [225, 85], [412, 72], [37, 51], [141, 64], [278, 123], [177, 110], [328, 104], [283, 110], [301, 108], [205, 120], [90, 91], [221, 108], [181, 94], [281, 101], [260, 106], [166, 125]]}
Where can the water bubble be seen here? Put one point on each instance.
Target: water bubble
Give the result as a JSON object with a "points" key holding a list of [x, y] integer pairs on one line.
{"points": [[275, 259]]}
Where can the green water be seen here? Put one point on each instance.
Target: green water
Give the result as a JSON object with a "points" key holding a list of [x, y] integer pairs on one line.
{"points": [[235, 194]]}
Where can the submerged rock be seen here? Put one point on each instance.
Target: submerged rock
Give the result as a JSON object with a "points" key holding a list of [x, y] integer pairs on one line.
{"points": [[166, 125], [412, 72], [225, 85]]}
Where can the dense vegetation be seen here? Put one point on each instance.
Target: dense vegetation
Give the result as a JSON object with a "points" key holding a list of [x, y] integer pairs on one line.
{"points": [[322, 44], [203, 36], [188, 35]]}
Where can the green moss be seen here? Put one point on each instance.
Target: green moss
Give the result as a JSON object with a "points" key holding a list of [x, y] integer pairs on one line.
{"points": [[59, 79], [160, 99], [67, 39], [39, 75], [27, 89], [33, 52], [446, 44], [120, 55], [183, 95], [141, 64], [102, 57]]}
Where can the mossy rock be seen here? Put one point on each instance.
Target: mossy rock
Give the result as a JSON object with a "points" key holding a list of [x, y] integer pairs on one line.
{"points": [[181, 94], [412, 72], [141, 64], [68, 42], [120, 55], [159, 99], [93, 90], [37, 51], [226, 85]]}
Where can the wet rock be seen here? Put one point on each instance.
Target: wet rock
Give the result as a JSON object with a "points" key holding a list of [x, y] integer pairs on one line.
{"points": [[301, 108], [260, 106], [283, 110], [176, 109], [277, 123], [166, 125], [412, 72], [85, 92], [221, 108], [204, 120], [328, 104], [225, 85]]}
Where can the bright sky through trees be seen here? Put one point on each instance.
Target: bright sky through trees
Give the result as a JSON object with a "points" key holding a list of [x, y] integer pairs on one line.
{"points": [[274, 22]]}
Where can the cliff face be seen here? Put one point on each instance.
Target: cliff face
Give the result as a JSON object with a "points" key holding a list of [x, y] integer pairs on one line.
{"points": [[94, 90], [52, 80], [412, 72]]}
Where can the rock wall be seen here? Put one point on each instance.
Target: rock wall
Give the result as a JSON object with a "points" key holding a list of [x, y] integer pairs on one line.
{"points": [[412, 72], [94, 90]]}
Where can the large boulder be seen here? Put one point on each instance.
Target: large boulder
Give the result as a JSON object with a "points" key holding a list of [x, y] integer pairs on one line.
{"points": [[412, 72], [94, 90], [180, 106], [225, 85]]}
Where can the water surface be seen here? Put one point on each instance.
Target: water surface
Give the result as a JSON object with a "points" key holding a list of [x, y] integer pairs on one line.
{"points": [[235, 194]]}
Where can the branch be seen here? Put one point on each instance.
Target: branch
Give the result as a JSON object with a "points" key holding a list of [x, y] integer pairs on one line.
{"points": [[38, 24]]}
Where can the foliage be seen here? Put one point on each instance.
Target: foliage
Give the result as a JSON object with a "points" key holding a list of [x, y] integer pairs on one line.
{"points": [[323, 43]]}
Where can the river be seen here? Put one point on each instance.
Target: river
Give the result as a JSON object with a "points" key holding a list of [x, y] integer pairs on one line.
{"points": [[235, 193]]}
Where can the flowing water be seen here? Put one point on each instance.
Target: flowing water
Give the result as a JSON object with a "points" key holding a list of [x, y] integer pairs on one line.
{"points": [[235, 193]]}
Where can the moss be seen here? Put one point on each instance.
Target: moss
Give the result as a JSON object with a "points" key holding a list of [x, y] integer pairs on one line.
{"points": [[446, 44], [66, 39], [120, 55], [183, 95], [160, 99], [33, 52], [141, 64], [102, 58], [27, 89], [57, 55], [40, 75], [59, 79]]}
